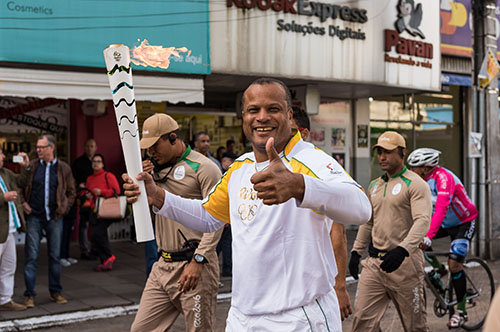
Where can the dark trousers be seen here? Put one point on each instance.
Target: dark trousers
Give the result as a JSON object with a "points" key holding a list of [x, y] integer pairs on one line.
{"points": [[224, 245], [99, 239], [36, 227], [151, 254], [85, 215], [68, 223]]}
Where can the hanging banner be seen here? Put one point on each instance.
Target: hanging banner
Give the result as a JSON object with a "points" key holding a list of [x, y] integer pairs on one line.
{"points": [[489, 70]]}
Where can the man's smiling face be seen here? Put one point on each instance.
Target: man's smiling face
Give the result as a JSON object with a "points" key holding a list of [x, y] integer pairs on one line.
{"points": [[266, 114]]}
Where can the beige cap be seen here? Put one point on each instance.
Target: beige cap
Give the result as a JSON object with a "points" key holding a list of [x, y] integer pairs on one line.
{"points": [[154, 127], [390, 140]]}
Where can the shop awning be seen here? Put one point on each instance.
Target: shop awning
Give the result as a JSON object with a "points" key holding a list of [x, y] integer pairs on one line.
{"points": [[17, 82], [453, 79]]}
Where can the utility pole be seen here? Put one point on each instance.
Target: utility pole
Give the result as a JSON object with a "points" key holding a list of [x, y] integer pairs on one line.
{"points": [[486, 121]]}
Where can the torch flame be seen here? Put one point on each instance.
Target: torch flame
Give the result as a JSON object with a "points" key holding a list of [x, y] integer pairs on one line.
{"points": [[154, 56]]}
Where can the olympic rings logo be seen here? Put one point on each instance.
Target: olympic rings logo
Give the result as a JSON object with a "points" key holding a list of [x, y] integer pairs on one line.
{"points": [[247, 212]]}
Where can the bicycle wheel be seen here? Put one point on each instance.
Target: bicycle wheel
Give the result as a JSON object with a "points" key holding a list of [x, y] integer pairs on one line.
{"points": [[480, 290]]}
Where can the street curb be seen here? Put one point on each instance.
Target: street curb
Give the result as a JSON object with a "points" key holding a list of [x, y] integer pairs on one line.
{"points": [[34, 323], [66, 318]]}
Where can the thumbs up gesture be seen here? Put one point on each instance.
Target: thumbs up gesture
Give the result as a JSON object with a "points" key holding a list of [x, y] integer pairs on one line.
{"points": [[276, 184]]}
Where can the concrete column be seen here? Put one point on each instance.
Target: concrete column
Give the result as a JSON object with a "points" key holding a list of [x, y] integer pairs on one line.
{"points": [[487, 122], [361, 154]]}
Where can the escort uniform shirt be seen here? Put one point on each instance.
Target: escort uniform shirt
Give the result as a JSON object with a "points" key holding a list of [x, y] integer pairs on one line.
{"points": [[192, 177], [282, 254], [402, 209]]}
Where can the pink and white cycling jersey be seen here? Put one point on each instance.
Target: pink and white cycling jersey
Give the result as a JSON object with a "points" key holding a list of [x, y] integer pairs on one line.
{"points": [[451, 204]]}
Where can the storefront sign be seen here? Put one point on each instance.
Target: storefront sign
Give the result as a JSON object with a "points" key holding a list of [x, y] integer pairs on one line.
{"points": [[34, 116], [75, 32], [410, 15], [308, 8], [383, 42], [323, 11], [38, 123]]}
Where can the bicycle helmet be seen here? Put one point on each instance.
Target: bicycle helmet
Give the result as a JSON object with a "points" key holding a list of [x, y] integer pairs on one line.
{"points": [[424, 157]]}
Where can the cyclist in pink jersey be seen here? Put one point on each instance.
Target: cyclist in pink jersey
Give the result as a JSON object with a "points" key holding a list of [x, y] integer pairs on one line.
{"points": [[453, 216]]}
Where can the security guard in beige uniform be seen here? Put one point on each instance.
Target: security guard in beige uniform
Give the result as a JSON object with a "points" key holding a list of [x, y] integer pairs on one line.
{"points": [[185, 278], [394, 270]]}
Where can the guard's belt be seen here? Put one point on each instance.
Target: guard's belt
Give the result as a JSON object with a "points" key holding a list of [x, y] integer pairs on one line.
{"points": [[374, 252], [185, 254]]}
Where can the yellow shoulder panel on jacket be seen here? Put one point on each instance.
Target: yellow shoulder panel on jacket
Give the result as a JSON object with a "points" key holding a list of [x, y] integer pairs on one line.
{"points": [[217, 202]]}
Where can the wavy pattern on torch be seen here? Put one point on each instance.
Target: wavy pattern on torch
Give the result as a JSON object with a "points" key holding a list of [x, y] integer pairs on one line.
{"points": [[130, 133], [126, 117], [123, 99], [120, 69], [121, 85]]}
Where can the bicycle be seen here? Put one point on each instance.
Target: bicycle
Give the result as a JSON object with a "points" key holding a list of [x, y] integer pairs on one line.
{"points": [[480, 290]]}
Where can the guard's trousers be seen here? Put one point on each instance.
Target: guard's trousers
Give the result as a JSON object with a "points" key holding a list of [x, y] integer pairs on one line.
{"points": [[405, 287], [161, 302]]}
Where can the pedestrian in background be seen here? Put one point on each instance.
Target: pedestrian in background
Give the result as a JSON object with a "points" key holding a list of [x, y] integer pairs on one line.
{"points": [[11, 220], [394, 270], [338, 236], [202, 145], [82, 169], [49, 196], [220, 152], [278, 199], [185, 277], [101, 184]]}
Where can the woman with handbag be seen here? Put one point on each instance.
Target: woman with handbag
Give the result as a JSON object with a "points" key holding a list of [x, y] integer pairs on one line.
{"points": [[101, 184]]}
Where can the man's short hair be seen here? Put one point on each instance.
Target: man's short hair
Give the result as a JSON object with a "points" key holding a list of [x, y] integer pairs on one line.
{"points": [[197, 135], [50, 139], [268, 80], [301, 118]]}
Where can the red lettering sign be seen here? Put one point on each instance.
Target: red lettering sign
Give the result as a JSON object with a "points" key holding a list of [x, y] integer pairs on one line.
{"points": [[407, 46]]}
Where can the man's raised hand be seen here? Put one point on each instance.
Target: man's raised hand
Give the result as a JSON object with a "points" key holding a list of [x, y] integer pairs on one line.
{"points": [[276, 184], [155, 194]]}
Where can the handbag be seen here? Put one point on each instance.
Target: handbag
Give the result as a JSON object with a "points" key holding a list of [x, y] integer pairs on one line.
{"points": [[113, 207]]}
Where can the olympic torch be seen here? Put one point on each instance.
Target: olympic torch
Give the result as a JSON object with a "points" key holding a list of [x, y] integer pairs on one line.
{"points": [[117, 59]]}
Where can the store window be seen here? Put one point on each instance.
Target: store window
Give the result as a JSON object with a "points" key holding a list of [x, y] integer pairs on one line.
{"points": [[425, 120], [331, 130]]}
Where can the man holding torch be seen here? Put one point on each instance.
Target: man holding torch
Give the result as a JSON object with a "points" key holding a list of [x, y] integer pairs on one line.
{"points": [[185, 278], [278, 199]]}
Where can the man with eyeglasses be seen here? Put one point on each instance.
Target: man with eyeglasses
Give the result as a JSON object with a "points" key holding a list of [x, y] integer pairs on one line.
{"points": [[48, 198]]}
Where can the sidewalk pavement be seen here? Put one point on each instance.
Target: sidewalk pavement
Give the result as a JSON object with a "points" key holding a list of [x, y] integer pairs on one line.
{"points": [[119, 290], [85, 289]]}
